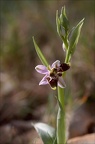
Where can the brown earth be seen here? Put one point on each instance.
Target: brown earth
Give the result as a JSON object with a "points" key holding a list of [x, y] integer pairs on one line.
{"points": [[86, 139]]}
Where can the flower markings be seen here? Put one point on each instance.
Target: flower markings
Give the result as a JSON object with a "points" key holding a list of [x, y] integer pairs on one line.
{"points": [[53, 74]]}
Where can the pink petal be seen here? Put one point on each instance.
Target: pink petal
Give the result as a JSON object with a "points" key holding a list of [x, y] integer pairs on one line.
{"points": [[44, 81], [56, 64], [61, 82], [41, 69]]}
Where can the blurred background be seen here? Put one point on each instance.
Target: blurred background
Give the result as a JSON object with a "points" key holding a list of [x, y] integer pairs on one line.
{"points": [[22, 100]]}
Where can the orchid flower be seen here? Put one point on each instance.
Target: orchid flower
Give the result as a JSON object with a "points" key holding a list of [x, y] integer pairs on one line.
{"points": [[53, 74]]}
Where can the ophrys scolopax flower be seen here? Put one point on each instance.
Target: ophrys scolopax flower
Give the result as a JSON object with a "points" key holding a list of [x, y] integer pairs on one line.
{"points": [[53, 74]]}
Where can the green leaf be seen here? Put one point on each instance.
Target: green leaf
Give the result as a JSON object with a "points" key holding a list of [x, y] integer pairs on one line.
{"points": [[46, 132], [62, 26], [58, 23], [55, 140], [64, 19], [75, 36], [39, 53]]}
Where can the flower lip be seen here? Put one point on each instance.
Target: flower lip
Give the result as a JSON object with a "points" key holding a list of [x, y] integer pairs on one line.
{"points": [[64, 67], [53, 82]]}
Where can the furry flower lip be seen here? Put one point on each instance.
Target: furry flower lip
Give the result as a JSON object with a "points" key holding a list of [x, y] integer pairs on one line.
{"points": [[53, 74]]}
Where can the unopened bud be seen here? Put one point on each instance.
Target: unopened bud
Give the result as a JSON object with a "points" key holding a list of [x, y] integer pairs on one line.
{"points": [[63, 47]]}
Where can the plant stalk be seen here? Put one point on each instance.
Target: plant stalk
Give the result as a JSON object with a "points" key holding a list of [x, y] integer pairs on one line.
{"points": [[61, 135]]}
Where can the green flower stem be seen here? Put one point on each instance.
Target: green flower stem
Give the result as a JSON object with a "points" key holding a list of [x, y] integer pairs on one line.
{"points": [[67, 56], [61, 137]]}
